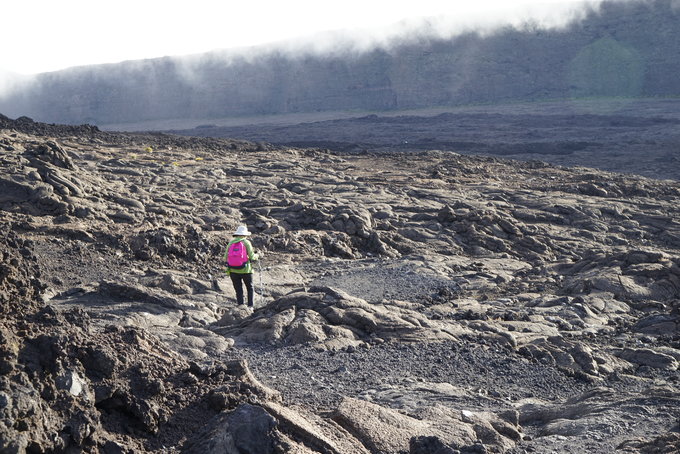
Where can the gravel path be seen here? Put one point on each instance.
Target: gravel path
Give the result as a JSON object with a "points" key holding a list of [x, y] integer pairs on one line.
{"points": [[320, 379]]}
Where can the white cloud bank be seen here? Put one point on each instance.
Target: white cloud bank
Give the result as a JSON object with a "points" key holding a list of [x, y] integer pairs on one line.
{"points": [[46, 35]]}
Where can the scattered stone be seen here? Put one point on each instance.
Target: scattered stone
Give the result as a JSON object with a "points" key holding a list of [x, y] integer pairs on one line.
{"points": [[71, 382]]}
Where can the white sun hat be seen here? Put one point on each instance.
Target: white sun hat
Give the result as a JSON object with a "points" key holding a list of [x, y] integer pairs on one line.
{"points": [[242, 230]]}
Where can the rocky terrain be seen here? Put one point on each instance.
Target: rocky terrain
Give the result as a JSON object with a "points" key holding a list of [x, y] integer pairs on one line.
{"points": [[423, 302]]}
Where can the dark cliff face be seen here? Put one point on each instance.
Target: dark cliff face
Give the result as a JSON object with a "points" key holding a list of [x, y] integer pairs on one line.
{"points": [[627, 49]]}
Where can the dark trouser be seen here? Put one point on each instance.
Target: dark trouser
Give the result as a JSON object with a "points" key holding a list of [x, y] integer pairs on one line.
{"points": [[238, 280]]}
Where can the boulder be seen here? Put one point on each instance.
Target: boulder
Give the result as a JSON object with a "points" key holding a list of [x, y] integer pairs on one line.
{"points": [[246, 429], [331, 319], [648, 357]]}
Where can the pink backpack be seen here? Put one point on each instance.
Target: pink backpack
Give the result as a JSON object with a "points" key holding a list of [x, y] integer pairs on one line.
{"points": [[237, 255]]}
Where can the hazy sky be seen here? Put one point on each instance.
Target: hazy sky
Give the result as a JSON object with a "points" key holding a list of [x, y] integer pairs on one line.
{"points": [[47, 35]]}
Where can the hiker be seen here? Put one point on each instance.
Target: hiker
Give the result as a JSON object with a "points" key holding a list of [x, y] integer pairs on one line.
{"points": [[240, 255]]}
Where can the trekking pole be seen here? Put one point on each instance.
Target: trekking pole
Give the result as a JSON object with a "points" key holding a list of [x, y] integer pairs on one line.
{"points": [[259, 271]]}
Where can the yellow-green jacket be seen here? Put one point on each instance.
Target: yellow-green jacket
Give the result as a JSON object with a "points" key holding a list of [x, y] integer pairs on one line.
{"points": [[252, 256]]}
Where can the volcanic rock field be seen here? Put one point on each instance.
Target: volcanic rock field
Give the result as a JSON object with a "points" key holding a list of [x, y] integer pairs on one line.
{"points": [[420, 302]]}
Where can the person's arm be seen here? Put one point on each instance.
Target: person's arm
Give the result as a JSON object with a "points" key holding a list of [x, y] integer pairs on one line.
{"points": [[251, 252]]}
